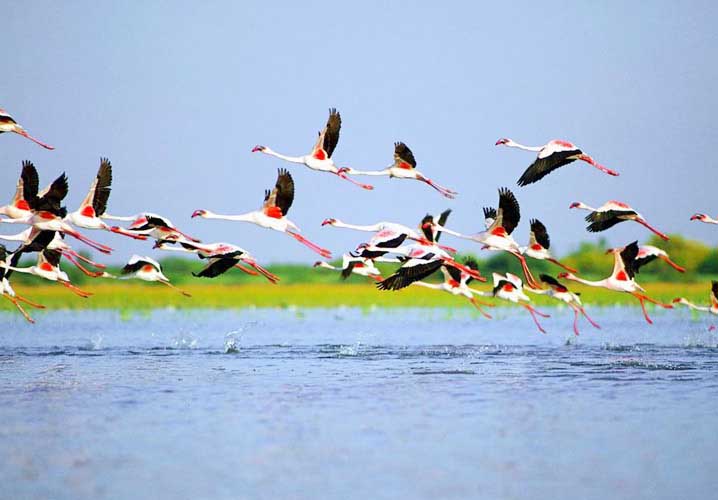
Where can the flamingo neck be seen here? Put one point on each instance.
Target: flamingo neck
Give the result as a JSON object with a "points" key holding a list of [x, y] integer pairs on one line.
{"points": [[599, 284], [292, 159], [375, 173], [248, 217], [370, 228], [514, 144]]}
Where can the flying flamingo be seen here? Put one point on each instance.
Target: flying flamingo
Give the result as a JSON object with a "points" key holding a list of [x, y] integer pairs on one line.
{"points": [[560, 292], [611, 213], [622, 279], [7, 291], [273, 214], [390, 231], [712, 308], [498, 235], [321, 156], [404, 167], [539, 244], [47, 267], [47, 212], [95, 204], [221, 258], [152, 225], [510, 287], [147, 269], [551, 156], [361, 266], [649, 253], [456, 283], [700, 217], [8, 124]]}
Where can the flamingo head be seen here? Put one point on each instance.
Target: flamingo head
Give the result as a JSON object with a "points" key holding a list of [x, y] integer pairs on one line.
{"points": [[698, 216], [563, 275], [679, 300], [577, 204], [503, 141], [329, 222], [199, 213], [428, 225], [258, 149]]}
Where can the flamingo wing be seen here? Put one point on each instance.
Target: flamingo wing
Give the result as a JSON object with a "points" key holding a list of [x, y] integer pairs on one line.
{"points": [[509, 213], [29, 183], [545, 165], [443, 217], [216, 266], [553, 283], [102, 186], [602, 220], [714, 293], [329, 136], [413, 270], [627, 258], [539, 234], [489, 216], [427, 231], [52, 257], [6, 118], [51, 198], [282, 195], [403, 157]]}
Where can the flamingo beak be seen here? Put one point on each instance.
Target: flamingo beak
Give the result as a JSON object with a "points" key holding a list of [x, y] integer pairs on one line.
{"points": [[501, 141], [697, 217], [257, 148], [562, 275], [198, 213], [575, 204], [317, 263], [328, 222], [676, 301]]}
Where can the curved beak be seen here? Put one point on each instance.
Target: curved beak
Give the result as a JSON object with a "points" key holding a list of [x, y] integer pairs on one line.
{"points": [[575, 204], [257, 148], [197, 213]]}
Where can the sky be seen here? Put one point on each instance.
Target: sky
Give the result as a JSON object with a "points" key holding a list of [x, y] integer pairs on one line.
{"points": [[176, 94]]}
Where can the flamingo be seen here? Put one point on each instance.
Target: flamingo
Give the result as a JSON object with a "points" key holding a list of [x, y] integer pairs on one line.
{"points": [[611, 213], [25, 191], [539, 244], [560, 292], [649, 253], [95, 203], [7, 291], [361, 266], [712, 308], [321, 156], [147, 269], [510, 287], [389, 232], [704, 218], [622, 279], [551, 156], [152, 225], [221, 258], [404, 167], [456, 283], [497, 236], [8, 124], [47, 267], [420, 262], [46, 211], [273, 214]]}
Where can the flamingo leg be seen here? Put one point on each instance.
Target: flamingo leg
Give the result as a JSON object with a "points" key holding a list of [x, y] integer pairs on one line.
{"points": [[652, 229], [594, 163], [473, 273], [97, 246], [445, 192], [36, 141], [124, 232], [642, 299], [82, 258], [175, 288], [29, 302], [530, 280], [273, 278], [533, 312], [477, 305], [559, 264], [675, 266], [593, 323], [246, 270], [575, 320], [19, 308], [92, 274], [301, 239], [342, 175], [75, 290], [658, 303], [175, 230]]}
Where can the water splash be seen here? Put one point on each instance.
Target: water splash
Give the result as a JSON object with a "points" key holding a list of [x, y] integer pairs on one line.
{"points": [[350, 350]]}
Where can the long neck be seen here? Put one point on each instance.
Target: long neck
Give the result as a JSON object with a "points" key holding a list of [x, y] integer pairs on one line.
{"points": [[691, 305], [118, 217], [248, 217], [16, 237], [372, 228], [480, 293], [433, 286], [176, 249], [599, 284], [292, 159], [514, 144], [375, 173]]}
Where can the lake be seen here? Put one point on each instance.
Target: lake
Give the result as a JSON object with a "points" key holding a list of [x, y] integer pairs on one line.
{"points": [[351, 404]]}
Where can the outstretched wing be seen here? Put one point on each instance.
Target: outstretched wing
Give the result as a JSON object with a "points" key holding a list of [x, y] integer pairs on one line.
{"points": [[443, 217], [51, 199], [215, 267], [282, 195], [539, 234], [329, 136], [29, 183], [489, 216], [544, 166], [103, 183], [403, 157], [409, 273], [628, 257], [600, 221], [509, 213], [51, 256], [714, 293]]}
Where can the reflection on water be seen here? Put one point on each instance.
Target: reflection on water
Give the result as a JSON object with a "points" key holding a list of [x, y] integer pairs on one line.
{"points": [[346, 403]]}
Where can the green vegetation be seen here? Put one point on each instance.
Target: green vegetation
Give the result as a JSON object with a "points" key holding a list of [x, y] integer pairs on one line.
{"points": [[304, 286]]}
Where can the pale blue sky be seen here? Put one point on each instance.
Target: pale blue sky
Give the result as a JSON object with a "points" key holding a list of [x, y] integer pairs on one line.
{"points": [[177, 93]]}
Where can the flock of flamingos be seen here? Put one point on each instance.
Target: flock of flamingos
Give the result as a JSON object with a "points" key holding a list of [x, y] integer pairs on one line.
{"points": [[417, 251]]}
